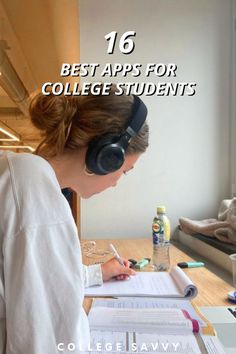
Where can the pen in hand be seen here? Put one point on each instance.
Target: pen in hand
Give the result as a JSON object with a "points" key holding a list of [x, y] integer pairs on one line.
{"points": [[116, 255]]}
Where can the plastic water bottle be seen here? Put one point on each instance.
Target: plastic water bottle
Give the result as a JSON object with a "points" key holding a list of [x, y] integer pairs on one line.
{"points": [[161, 240]]}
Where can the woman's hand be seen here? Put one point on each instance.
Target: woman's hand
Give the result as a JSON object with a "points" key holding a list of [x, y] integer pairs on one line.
{"points": [[112, 268]]}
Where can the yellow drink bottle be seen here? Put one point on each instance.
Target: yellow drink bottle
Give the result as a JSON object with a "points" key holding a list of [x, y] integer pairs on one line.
{"points": [[161, 240]]}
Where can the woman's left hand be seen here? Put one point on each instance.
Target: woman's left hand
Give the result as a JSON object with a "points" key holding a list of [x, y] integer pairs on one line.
{"points": [[112, 268]]}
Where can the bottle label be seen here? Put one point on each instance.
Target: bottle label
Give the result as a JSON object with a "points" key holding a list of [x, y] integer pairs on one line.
{"points": [[157, 231]]}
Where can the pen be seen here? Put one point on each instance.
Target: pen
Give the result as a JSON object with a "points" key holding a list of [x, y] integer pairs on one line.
{"points": [[116, 254]]}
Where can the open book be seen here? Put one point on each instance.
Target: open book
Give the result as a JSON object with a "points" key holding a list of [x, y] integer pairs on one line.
{"points": [[175, 284], [127, 328]]}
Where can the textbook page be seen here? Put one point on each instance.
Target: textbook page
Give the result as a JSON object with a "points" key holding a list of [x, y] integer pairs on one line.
{"points": [[150, 284], [133, 342], [104, 342], [141, 302], [108, 341], [148, 320]]}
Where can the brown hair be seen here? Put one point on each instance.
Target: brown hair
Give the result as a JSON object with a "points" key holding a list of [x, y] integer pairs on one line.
{"points": [[72, 122]]}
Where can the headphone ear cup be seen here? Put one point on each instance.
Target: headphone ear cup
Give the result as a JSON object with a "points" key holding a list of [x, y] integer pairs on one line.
{"points": [[105, 155]]}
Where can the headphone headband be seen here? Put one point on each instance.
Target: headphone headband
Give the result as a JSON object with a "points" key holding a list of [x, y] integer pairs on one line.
{"points": [[137, 117]]}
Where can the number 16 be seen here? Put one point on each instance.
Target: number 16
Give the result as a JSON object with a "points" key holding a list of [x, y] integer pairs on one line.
{"points": [[126, 44]]}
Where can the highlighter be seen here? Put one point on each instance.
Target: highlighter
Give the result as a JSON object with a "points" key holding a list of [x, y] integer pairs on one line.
{"points": [[132, 263], [142, 263], [190, 264]]}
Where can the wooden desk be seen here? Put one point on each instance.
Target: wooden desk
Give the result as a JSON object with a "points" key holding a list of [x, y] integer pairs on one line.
{"points": [[212, 290]]}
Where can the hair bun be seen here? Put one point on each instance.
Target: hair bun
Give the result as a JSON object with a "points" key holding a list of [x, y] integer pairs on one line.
{"points": [[52, 115], [50, 112]]}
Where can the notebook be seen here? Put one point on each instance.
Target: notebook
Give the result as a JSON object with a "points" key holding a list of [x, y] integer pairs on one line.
{"points": [[174, 284]]}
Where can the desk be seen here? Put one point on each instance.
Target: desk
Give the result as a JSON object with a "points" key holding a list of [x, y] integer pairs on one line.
{"points": [[212, 290]]}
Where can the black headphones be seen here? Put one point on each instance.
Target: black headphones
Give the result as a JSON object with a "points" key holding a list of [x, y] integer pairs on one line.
{"points": [[106, 153]]}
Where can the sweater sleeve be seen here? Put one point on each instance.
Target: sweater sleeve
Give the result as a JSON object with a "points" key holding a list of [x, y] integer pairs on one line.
{"points": [[92, 275], [44, 290]]}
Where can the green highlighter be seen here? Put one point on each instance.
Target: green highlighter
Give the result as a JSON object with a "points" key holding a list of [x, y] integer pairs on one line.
{"points": [[142, 263], [190, 264]]}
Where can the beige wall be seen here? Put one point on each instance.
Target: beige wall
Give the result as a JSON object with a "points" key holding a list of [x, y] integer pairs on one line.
{"points": [[187, 165]]}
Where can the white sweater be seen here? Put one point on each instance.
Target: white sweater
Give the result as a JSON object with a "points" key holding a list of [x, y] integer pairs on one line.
{"points": [[42, 278]]}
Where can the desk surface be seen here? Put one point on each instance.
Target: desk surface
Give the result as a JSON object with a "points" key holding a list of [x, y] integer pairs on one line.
{"points": [[212, 290]]}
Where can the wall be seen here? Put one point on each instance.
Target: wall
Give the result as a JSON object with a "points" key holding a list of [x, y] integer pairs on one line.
{"points": [[186, 167], [233, 106]]}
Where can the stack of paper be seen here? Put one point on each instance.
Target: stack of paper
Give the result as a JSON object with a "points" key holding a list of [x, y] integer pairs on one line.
{"points": [[175, 284]]}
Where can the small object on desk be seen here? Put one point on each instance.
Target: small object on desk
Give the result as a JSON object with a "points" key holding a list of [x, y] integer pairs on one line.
{"points": [[132, 262], [142, 263], [116, 254], [232, 296], [190, 264]]}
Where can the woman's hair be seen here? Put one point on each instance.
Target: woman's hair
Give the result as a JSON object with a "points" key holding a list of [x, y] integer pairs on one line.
{"points": [[72, 122]]}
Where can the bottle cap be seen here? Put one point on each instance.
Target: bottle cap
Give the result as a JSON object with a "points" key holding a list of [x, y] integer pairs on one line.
{"points": [[161, 209]]}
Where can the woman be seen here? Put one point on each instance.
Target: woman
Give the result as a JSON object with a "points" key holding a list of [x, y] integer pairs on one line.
{"points": [[42, 276]]}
